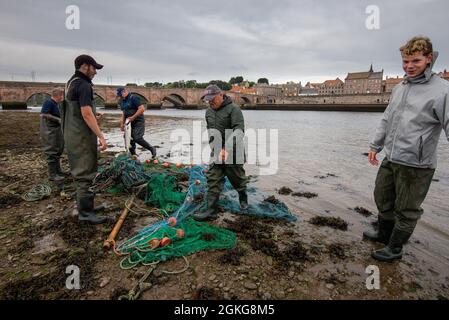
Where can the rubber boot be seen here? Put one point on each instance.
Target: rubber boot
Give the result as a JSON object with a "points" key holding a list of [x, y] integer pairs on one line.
{"points": [[153, 152], [53, 173], [393, 251], [383, 234], [100, 208], [210, 213], [59, 170], [86, 211], [243, 199]]}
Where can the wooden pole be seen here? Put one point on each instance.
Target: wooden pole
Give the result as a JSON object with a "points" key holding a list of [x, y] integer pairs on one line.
{"points": [[109, 242]]}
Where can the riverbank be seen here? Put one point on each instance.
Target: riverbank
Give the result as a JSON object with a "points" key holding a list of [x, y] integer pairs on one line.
{"points": [[40, 239]]}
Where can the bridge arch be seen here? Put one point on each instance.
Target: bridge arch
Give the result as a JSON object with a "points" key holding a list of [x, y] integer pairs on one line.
{"points": [[174, 99], [99, 101], [245, 100], [142, 98], [37, 99]]}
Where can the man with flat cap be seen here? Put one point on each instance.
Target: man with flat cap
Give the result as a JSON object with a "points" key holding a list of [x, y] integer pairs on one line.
{"points": [[81, 131], [226, 128]]}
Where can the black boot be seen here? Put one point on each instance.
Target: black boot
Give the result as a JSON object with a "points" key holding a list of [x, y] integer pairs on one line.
{"points": [[211, 212], [102, 207], [86, 211], [59, 170], [393, 251], [383, 234], [53, 172], [243, 199], [153, 152]]}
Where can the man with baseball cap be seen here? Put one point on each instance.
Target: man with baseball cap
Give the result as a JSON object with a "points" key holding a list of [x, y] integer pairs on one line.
{"points": [[226, 126], [81, 131], [133, 110]]}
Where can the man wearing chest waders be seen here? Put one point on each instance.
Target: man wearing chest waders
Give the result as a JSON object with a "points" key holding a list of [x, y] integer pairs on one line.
{"points": [[408, 133], [226, 128], [51, 134], [81, 132]]}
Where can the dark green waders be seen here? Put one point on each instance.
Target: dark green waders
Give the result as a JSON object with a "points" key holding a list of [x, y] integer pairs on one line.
{"points": [[53, 146], [215, 183], [81, 146], [399, 193]]}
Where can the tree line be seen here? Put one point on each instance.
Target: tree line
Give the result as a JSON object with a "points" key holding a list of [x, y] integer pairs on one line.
{"points": [[193, 84]]}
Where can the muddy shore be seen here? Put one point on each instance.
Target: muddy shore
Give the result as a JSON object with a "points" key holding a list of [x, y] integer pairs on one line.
{"points": [[313, 258]]}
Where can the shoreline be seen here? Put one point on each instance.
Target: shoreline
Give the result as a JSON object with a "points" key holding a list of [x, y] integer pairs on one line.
{"points": [[260, 107]]}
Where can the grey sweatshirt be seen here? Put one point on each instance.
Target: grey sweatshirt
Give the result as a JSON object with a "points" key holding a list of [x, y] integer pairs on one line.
{"points": [[412, 123]]}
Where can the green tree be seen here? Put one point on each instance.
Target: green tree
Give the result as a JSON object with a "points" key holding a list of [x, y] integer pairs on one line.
{"points": [[131, 85], [153, 85], [223, 85], [262, 80], [236, 80], [191, 84]]}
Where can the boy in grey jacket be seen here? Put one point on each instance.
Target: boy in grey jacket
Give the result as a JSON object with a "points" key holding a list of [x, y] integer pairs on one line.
{"points": [[408, 133]]}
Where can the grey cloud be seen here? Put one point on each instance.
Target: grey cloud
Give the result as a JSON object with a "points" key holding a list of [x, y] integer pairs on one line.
{"points": [[173, 40]]}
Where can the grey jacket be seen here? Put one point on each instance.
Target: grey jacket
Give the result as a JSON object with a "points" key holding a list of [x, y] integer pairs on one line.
{"points": [[412, 123]]}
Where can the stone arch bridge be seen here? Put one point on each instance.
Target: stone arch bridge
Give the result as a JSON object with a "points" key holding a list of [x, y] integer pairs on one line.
{"points": [[21, 92]]}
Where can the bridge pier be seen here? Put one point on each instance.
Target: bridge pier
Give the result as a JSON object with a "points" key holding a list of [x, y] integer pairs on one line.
{"points": [[14, 105]]}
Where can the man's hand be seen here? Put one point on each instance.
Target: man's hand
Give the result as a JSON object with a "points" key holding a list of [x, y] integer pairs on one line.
{"points": [[372, 158], [99, 115], [103, 145], [223, 155]]}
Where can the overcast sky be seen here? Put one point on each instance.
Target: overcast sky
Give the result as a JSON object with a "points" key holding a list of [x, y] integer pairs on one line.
{"points": [[170, 40]]}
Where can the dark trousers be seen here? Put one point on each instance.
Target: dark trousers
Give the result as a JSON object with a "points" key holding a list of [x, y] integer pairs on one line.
{"points": [[82, 155], [52, 140], [399, 192], [137, 132], [216, 177]]}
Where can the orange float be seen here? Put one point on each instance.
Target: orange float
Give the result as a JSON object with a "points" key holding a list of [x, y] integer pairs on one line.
{"points": [[154, 243], [180, 233], [165, 165], [172, 221], [165, 241], [155, 161]]}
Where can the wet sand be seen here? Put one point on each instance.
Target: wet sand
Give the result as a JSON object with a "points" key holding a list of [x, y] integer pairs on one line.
{"points": [[275, 260]]}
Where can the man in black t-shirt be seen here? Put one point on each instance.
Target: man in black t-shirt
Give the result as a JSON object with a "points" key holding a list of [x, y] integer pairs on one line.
{"points": [[81, 132]]}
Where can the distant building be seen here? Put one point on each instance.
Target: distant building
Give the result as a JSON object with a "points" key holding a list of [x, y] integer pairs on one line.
{"points": [[266, 90], [243, 89], [390, 83], [291, 89], [444, 75], [310, 89], [330, 87], [363, 82]]}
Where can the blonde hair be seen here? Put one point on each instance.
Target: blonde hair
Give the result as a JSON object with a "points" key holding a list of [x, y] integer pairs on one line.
{"points": [[417, 44]]}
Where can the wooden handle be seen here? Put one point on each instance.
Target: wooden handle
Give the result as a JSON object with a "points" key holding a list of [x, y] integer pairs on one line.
{"points": [[108, 243]]}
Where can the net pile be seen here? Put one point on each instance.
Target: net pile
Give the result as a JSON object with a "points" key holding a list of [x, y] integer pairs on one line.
{"points": [[179, 193]]}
